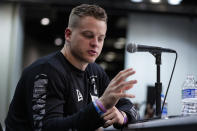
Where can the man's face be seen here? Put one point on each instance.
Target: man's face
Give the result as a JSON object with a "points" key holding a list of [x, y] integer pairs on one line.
{"points": [[86, 40]]}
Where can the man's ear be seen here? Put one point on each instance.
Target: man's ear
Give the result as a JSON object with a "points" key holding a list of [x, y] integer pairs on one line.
{"points": [[68, 33]]}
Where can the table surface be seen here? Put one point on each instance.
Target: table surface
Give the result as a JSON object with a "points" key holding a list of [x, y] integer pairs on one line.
{"points": [[172, 121], [169, 121]]}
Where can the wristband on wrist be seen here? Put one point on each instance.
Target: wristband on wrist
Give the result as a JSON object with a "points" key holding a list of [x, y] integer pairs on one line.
{"points": [[100, 105], [97, 109], [125, 120], [125, 117]]}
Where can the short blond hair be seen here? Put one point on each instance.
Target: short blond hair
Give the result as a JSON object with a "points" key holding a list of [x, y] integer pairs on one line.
{"points": [[84, 10]]}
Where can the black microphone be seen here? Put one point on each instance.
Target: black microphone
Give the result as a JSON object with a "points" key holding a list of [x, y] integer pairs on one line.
{"points": [[132, 48]]}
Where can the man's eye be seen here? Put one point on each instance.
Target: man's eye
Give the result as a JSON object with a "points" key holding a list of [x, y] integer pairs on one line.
{"points": [[88, 35], [100, 39]]}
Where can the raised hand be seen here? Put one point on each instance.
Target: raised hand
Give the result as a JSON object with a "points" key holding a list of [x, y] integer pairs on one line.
{"points": [[117, 87]]}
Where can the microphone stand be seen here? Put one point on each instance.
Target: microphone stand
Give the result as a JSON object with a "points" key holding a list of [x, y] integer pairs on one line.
{"points": [[158, 84]]}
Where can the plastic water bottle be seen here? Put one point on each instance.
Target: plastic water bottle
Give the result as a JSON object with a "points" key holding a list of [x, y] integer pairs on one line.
{"points": [[189, 96], [164, 113]]}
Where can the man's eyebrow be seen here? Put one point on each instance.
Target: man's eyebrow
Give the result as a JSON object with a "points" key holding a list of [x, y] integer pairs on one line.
{"points": [[87, 31], [103, 35]]}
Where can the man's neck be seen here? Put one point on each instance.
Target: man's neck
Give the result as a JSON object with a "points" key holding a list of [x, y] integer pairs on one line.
{"points": [[75, 62]]}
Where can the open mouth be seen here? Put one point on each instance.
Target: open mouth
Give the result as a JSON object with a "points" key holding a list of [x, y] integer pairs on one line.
{"points": [[92, 52]]}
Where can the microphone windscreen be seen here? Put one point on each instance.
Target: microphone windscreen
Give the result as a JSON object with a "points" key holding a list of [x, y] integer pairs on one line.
{"points": [[131, 48]]}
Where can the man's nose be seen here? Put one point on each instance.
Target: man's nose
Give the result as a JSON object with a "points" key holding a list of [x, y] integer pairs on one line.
{"points": [[94, 42]]}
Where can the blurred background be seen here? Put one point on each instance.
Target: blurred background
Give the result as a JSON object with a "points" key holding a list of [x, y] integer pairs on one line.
{"points": [[30, 29]]}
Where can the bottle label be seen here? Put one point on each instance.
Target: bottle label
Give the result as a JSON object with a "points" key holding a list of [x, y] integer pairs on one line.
{"points": [[189, 93]]}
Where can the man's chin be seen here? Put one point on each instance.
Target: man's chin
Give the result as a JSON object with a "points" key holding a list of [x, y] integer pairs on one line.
{"points": [[91, 60]]}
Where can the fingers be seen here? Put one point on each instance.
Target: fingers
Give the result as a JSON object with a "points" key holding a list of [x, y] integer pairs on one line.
{"points": [[126, 85], [109, 114], [113, 116], [126, 70], [124, 95], [117, 87], [110, 119], [122, 75], [109, 123], [119, 82], [109, 111]]}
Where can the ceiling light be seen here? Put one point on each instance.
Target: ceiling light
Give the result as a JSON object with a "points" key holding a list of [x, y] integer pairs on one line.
{"points": [[45, 21], [104, 65], [120, 43], [136, 1], [155, 1], [58, 41], [174, 2], [110, 56]]}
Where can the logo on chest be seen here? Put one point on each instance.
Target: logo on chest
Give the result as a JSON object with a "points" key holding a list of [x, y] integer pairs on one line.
{"points": [[93, 87], [79, 95]]}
